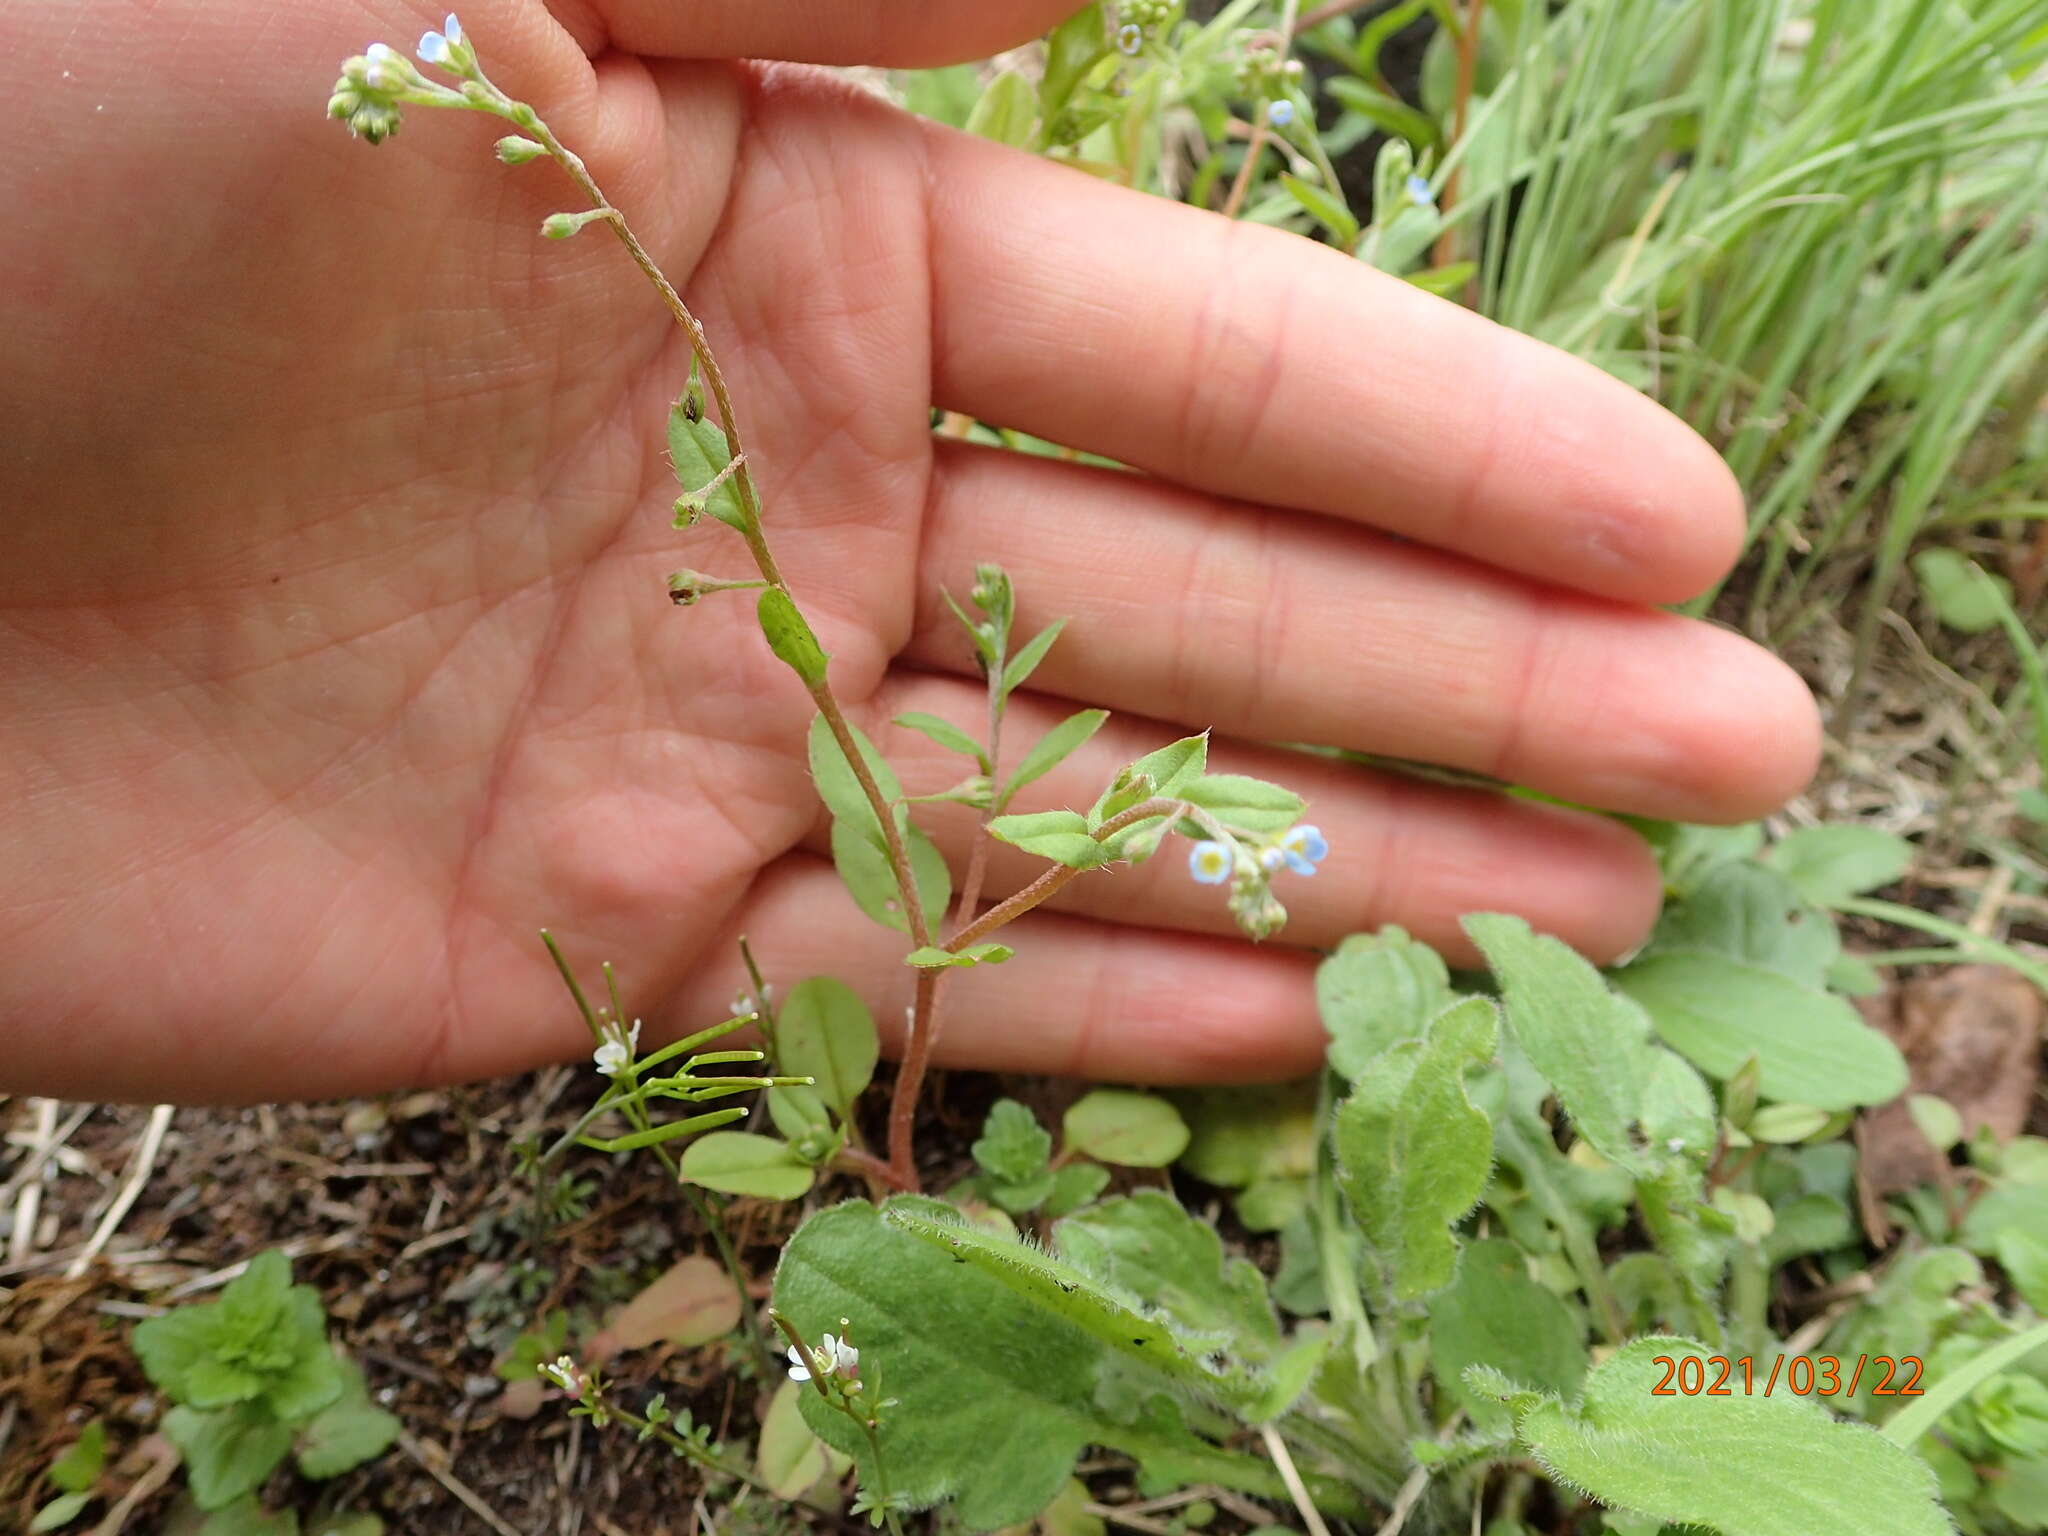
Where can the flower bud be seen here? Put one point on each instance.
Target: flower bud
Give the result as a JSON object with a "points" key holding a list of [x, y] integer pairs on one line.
{"points": [[515, 149]]}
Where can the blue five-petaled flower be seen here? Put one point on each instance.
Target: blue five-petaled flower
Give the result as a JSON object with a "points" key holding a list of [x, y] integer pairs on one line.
{"points": [[1304, 847], [1280, 113], [1210, 862], [439, 47]]}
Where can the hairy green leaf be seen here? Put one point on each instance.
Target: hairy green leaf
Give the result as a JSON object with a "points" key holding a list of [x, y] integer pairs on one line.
{"points": [[1412, 1150], [1831, 864], [1493, 1314], [1754, 915], [1250, 805], [1061, 836], [1592, 1046], [1012, 1146], [1377, 990], [1811, 1047], [81, 1464], [1147, 1247], [790, 638], [1744, 1465], [264, 1340]]}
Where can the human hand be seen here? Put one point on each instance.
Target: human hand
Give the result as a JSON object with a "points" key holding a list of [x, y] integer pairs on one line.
{"points": [[334, 652]]}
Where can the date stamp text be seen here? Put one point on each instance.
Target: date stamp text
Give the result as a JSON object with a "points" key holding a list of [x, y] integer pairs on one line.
{"points": [[1796, 1375]]}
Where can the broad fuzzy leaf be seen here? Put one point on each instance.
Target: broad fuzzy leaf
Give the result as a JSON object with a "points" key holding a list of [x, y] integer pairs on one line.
{"points": [[1146, 1246], [1495, 1315], [1377, 990], [1743, 1465], [1592, 1046], [1412, 1150], [1061, 836], [264, 1340], [995, 1398], [1831, 864], [1811, 1047], [1754, 915]]}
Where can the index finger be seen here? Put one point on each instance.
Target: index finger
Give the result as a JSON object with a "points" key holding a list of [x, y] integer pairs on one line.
{"points": [[1254, 363]]}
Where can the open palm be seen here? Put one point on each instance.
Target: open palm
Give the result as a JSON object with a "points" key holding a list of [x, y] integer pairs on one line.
{"points": [[335, 657]]}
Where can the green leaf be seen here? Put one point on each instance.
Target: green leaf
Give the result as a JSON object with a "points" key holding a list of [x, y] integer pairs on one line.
{"points": [[1830, 864], [1677, 1106], [1061, 836], [698, 451], [1171, 769], [228, 1451], [1754, 915], [2024, 1258], [1376, 991], [1025, 662], [996, 1400], [1250, 805], [1495, 1315], [1811, 1223], [347, 1432], [790, 638], [59, 1512], [742, 1163], [1413, 1152], [1592, 1046], [1963, 595], [1744, 1465], [798, 1111], [1134, 1130], [1073, 1187], [824, 1030], [534, 1347], [1012, 1146], [1006, 111], [1325, 207], [1071, 1294], [931, 957], [1071, 50], [1444, 282], [1145, 1246], [1052, 749], [840, 788], [1784, 1124], [1810, 1046], [869, 878], [264, 1339], [83, 1461], [946, 734]]}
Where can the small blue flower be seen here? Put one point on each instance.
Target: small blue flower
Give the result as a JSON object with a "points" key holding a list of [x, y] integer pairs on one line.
{"points": [[1130, 37], [1418, 191], [452, 29], [1280, 113], [1304, 847], [1210, 863], [434, 49]]}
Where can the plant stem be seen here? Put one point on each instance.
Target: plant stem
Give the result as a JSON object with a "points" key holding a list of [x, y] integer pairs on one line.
{"points": [[1055, 876], [922, 1020], [1234, 203], [917, 1053], [690, 1449]]}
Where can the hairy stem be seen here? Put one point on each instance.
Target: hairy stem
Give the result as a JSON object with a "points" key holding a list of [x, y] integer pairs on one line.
{"points": [[1055, 876]]}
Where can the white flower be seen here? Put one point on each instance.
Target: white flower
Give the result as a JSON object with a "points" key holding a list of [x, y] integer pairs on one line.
{"points": [[614, 1053], [833, 1357], [1210, 862], [1130, 37], [563, 1373], [1280, 113], [1271, 859], [453, 29]]}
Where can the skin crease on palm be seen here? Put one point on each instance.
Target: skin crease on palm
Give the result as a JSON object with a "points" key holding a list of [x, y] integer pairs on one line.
{"points": [[335, 656]]}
